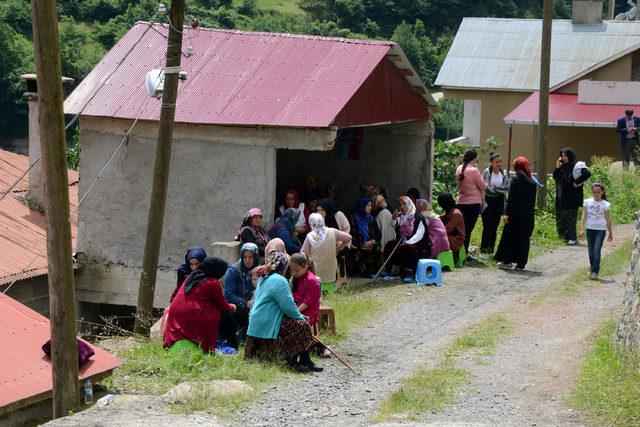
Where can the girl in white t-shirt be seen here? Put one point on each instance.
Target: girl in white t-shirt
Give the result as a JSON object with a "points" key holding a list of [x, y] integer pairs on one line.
{"points": [[596, 218]]}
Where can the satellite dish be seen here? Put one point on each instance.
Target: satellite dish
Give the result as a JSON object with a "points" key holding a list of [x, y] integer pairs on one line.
{"points": [[155, 83]]}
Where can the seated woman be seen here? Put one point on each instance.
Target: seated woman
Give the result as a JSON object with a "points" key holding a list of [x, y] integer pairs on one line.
{"points": [[194, 315], [291, 200], [321, 246], [365, 254], [284, 229], [238, 290], [332, 216], [251, 230], [437, 230], [192, 261], [413, 248], [453, 222], [402, 220], [384, 220], [277, 330]]}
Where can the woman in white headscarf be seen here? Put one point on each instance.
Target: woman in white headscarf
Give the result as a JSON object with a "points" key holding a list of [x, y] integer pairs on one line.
{"points": [[322, 245]]}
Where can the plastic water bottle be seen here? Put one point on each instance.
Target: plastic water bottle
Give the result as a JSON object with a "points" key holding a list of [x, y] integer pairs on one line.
{"points": [[88, 392], [105, 400]]}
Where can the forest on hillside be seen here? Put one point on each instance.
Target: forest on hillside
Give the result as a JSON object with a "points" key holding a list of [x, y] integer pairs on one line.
{"points": [[89, 28]]}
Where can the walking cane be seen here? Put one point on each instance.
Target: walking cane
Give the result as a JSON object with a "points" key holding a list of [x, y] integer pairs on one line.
{"points": [[336, 356], [386, 261]]}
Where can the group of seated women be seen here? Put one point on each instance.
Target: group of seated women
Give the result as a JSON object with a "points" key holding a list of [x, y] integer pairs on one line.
{"points": [[257, 305]]}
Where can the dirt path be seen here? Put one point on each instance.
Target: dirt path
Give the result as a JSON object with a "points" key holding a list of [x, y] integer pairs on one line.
{"points": [[522, 384], [408, 336]]}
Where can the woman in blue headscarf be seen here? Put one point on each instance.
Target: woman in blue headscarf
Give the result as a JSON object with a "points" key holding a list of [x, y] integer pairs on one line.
{"points": [[238, 290], [285, 229], [364, 256], [192, 261]]}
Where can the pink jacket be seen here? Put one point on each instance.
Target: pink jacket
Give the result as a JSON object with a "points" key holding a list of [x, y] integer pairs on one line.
{"points": [[471, 187], [438, 237]]}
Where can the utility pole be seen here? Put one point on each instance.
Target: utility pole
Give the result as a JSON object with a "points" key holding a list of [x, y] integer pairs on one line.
{"points": [[147, 286], [612, 9], [62, 301], [543, 111]]}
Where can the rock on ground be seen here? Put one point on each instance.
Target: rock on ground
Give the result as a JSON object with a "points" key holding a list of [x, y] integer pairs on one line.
{"points": [[628, 330], [191, 390]]}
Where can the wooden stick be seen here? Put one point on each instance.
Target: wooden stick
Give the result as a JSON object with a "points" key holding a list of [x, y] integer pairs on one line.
{"points": [[337, 357], [386, 261]]}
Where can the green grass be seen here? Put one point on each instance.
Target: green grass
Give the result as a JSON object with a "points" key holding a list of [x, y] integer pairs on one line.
{"points": [[611, 265], [283, 6], [608, 389], [432, 390], [151, 370]]}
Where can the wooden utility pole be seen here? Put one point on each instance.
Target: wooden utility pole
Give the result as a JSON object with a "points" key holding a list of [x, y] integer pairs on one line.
{"points": [[62, 301], [612, 9], [543, 111], [147, 287]]}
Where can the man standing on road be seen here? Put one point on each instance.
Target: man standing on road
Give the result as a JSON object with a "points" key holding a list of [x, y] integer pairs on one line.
{"points": [[629, 139]]}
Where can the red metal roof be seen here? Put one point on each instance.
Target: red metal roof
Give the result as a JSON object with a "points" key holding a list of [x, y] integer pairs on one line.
{"points": [[565, 110], [25, 371], [238, 78], [23, 230]]}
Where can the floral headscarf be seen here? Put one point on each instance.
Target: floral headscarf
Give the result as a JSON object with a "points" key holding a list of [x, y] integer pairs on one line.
{"points": [[289, 218], [275, 245], [318, 232], [246, 222], [253, 248], [276, 262], [405, 219]]}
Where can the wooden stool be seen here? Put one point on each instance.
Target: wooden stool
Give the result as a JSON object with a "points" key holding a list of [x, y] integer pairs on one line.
{"points": [[327, 319]]}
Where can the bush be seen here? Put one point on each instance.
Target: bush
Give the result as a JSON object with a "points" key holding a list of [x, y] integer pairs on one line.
{"points": [[622, 188]]}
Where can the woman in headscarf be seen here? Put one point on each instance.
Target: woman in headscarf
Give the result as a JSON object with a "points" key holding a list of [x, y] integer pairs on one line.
{"points": [[519, 218], [192, 261], [277, 330], [332, 216], [321, 245], [437, 230], [292, 201], [453, 221], [238, 290], [402, 221], [384, 220], [569, 194], [284, 228], [413, 230], [251, 230], [364, 255], [471, 193], [195, 313]]}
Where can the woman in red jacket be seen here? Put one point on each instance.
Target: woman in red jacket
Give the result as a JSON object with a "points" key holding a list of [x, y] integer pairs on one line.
{"points": [[194, 315]]}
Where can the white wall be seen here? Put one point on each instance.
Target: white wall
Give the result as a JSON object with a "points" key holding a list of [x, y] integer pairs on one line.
{"points": [[612, 93], [472, 120]]}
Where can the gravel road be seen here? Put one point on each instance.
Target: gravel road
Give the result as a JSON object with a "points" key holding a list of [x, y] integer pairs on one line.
{"points": [[522, 384]]}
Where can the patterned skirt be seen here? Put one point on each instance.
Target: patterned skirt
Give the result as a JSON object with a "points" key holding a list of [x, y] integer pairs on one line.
{"points": [[295, 337]]}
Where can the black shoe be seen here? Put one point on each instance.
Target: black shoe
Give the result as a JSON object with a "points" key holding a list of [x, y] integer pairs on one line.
{"points": [[301, 369], [312, 367]]}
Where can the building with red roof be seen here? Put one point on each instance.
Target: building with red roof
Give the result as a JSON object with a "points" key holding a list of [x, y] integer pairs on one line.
{"points": [[257, 112]]}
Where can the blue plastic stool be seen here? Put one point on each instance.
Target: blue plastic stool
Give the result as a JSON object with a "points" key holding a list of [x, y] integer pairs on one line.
{"points": [[436, 272]]}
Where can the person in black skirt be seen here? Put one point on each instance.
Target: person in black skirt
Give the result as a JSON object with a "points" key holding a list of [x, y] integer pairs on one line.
{"points": [[497, 185]]}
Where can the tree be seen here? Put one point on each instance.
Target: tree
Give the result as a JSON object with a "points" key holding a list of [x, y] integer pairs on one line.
{"points": [[79, 52]]}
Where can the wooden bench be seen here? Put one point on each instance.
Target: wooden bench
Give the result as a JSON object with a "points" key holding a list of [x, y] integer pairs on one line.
{"points": [[327, 321]]}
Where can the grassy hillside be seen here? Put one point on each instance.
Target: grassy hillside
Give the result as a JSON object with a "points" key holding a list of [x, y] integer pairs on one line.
{"points": [[282, 6]]}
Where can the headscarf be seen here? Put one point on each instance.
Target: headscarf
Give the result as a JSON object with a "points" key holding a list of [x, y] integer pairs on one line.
{"points": [[318, 232], [246, 222], [404, 219], [521, 164], [185, 269], [446, 202], [567, 168], [361, 218], [211, 267], [413, 193], [378, 204], [425, 209], [275, 245], [296, 198], [289, 218], [329, 207], [253, 248], [276, 262]]}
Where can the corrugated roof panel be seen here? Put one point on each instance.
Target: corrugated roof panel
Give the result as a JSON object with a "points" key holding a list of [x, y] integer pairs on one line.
{"points": [[23, 230], [504, 54], [235, 78], [25, 371]]}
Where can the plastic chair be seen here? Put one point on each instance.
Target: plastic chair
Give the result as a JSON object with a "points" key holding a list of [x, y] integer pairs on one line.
{"points": [[327, 287], [446, 259], [462, 257], [436, 272]]}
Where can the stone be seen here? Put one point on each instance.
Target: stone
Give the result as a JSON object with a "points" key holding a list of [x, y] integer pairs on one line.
{"points": [[192, 390], [118, 344], [154, 332], [228, 251], [628, 330]]}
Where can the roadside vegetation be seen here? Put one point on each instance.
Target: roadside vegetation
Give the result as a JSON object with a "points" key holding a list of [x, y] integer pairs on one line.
{"points": [[433, 389], [608, 389]]}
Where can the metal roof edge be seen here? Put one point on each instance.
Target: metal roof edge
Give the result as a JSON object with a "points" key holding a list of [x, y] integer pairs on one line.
{"points": [[496, 89], [560, 123], [596, 66], [397, 49]]}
